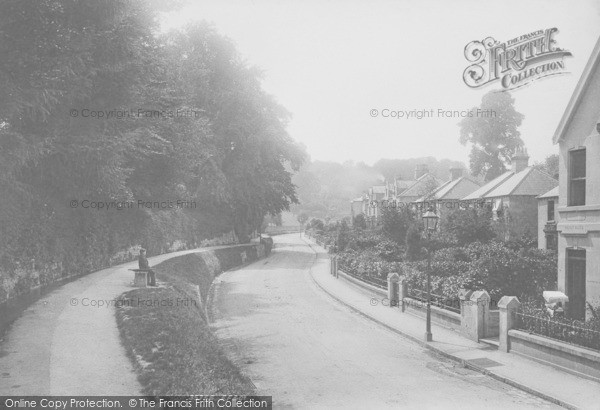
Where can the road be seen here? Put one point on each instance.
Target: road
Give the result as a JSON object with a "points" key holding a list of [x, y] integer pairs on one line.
{"points": [[308, 351]]}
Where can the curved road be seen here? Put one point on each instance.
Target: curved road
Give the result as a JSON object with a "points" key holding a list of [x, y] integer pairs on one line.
{"points": [[308, 351]]}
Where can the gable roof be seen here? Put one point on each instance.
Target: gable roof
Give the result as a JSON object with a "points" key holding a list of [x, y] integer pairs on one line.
{"points": [[416, 189], [530, 181], [553, 193], [454, 189], [403, 185], [378, 189], [591, 66], [481, 192]]}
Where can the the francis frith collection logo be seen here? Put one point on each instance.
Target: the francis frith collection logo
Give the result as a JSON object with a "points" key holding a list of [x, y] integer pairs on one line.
{"points": [[516, 62]]}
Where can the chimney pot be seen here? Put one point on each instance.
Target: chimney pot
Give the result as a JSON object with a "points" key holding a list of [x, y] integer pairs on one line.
{"points": [[520, 160], [420, 170]]}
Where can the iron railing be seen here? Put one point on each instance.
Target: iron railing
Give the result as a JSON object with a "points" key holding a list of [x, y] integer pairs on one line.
{"points": [[378, 282], [565, 332], [440, 301]]}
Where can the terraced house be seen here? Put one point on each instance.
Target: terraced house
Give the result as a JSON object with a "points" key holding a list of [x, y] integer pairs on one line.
{"points": [[578, 137], [513, 198]]}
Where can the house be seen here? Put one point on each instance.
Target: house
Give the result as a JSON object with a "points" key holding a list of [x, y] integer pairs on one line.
{"points": [[513, 198], [424, 184], [449, 194], [547, 220], [397, 193], [372, 206], [578, 137], [358, 206]]}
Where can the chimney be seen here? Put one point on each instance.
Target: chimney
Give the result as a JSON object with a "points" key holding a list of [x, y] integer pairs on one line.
{"points": [[520, 160], [420, 170], [455, 173]]}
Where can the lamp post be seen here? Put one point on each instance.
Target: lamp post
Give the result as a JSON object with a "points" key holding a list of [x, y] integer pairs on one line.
{"points": [[430, 220]]}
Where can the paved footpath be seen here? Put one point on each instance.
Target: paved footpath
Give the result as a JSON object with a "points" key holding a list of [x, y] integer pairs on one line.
{"points": [[307, 350], [59, 346], [542, 380]]}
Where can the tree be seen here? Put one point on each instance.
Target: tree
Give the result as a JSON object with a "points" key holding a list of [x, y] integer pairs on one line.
{"points": [[469, 225], [342, 236], [360, 222], [414, 246], [302, 218], [549, 166], [230, 155], [395, 222], [492, 131]]}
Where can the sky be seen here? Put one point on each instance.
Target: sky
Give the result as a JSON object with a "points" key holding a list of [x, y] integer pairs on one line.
{"points": [[331, 63]]}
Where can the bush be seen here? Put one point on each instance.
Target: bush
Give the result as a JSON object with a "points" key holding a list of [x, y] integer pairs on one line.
{"points": [[414, 248], [359, 222], [389, 250], [396, 223], [316, 224], [469, 225], [491, 266]]}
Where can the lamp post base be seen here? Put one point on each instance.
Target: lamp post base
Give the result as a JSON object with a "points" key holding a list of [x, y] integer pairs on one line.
{"points": [[428, 337]]}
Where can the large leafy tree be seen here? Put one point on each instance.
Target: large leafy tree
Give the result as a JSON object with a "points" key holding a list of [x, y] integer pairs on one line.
{"points": [[492, 131], [230, 154]]}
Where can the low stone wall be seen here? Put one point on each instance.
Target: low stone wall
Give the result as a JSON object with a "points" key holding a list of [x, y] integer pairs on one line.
{"points": [[574, 359], [193, 273], [12, 308], [361, 284], [442, 317]]}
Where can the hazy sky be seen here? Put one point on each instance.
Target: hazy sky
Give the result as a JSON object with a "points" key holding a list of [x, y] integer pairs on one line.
{"points": [[331, 62]]}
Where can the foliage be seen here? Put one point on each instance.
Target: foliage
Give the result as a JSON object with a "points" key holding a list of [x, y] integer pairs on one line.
{"points": [[533, 318], [389, 250], [213, 138], [316, 224], [494, 138], [396, 222], [359, 222], [550, 165], [468, 225], [414, 246], [324, 188], [302, 218], [342, 237], [492, 266]]}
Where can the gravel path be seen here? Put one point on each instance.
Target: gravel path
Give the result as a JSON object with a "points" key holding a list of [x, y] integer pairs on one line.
{"points": [[62, 345]]}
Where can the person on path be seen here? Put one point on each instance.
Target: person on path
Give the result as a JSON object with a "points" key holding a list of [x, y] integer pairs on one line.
{"points": [[143, 264]]}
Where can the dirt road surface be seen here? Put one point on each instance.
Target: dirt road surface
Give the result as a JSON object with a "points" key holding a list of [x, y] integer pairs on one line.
{"points": [[308, 351]]}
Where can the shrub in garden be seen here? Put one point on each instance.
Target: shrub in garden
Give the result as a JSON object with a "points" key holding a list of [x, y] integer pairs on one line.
{"points": [[414, 248], [359, 222], [396, 222], [389, 250], [468, 225]]}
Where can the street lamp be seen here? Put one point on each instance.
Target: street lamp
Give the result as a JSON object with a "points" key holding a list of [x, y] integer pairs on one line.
{"points": [[430, 220]]}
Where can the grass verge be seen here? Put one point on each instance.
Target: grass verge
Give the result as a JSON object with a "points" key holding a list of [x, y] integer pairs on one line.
{"points": [[168, 339]]}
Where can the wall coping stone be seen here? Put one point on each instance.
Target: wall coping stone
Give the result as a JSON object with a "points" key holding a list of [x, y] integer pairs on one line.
{"points": [[557, 345]]}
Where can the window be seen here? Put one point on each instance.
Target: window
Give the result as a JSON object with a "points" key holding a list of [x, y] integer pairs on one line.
{"points": [[576, 177], [550, 210], [576, 283], [497, 209]]}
